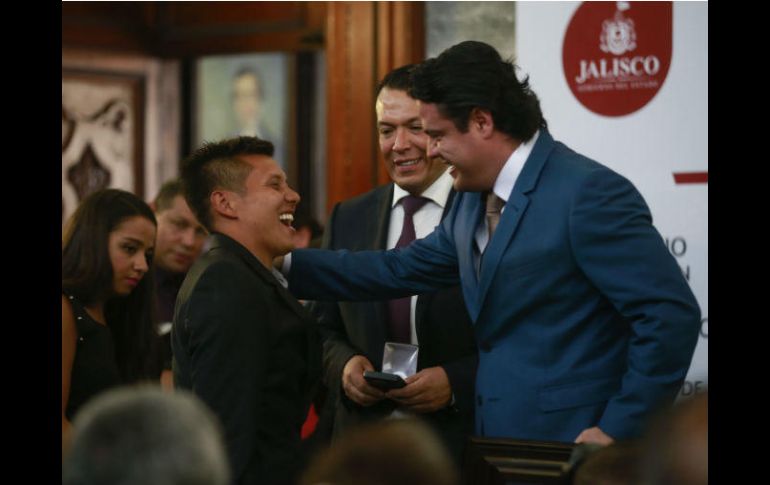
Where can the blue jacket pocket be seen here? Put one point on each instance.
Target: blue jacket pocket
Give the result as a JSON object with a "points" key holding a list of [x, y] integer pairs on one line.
{"points": [[565, 396]]}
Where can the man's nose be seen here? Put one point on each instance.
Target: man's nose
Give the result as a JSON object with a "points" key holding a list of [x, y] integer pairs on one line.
{"points": [[140, 262], [401, 142], [188, 237], [292, 196]]}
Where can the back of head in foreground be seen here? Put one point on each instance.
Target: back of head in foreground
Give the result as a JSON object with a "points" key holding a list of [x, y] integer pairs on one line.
{"points": [[144, 436], [389, 452], [675, 447], [613, 464]]}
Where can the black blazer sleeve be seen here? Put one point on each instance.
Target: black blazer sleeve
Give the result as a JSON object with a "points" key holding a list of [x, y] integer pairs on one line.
{"points": [[462, 377]]}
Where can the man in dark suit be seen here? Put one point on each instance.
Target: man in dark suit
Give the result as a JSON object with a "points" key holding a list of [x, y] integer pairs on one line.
{"points": [[583, 319], [178, 244], [240, 341], [354, 333]]}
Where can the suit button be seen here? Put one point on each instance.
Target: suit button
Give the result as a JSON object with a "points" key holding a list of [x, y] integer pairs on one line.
{"points": [[478, 399], [485, 347]]}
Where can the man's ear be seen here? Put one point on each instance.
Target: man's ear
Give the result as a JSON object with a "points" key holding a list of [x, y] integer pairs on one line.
{"points": [[223, 203], [481, 122]]}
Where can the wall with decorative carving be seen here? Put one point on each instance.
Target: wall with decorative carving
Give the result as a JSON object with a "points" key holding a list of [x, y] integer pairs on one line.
{"points": [[120, 123]]}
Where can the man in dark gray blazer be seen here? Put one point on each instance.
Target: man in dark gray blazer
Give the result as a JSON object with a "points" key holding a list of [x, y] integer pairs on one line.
{"points": [[241, 343], [354, 334]]}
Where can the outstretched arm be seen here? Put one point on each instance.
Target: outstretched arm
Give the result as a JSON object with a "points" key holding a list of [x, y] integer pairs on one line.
{"points": [[425, 265]]}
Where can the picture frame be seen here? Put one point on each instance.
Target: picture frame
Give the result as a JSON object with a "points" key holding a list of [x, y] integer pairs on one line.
{"points": [[102, 134], [247, 94]]}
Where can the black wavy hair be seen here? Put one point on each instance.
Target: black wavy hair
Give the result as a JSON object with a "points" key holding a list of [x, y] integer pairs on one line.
{"points": [[471, 75]]}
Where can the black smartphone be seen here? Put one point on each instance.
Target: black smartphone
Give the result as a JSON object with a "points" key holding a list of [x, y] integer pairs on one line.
{"points": [[383, 380]]}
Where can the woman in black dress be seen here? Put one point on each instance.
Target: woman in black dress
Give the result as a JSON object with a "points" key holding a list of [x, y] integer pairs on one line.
{"points": [[107, 298]]}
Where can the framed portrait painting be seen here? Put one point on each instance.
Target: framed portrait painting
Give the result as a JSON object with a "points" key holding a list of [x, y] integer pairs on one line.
{"points": [[244, 94], [102, 137]]}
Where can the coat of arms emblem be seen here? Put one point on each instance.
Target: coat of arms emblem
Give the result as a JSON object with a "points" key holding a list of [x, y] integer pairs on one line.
{"points": [[618, 35]]}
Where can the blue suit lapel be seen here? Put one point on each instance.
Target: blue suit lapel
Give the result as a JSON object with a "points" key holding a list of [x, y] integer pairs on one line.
{"points": [[509, 222], [514, 211], [465, 231]]}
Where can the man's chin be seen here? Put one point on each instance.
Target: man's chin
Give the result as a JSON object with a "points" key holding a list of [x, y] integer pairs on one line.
{"points": [[287, 248], [458, 183], [408, 179]]}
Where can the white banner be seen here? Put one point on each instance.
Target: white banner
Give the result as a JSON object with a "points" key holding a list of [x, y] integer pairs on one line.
{"points": [[584, 62]]}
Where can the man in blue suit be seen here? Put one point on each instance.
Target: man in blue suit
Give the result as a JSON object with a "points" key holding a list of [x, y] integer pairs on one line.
{"points": [[584, 322]]}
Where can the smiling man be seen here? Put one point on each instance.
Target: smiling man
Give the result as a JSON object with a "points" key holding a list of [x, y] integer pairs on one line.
{"points": [[583, 319], [354, 333], [243, 344]]}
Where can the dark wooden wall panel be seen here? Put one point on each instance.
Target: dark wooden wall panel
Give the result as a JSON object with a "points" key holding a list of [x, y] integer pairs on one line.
{"points": [[364, 41], [187, 29], [350, 66], [123, 26], [200, 14], [199, 28]]}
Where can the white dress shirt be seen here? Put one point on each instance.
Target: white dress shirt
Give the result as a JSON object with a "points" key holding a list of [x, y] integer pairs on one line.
{"points": [[425, 221], [503, 187]]}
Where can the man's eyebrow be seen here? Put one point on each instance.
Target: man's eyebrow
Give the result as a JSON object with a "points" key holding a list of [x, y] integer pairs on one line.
{"points": [[416, 119]]}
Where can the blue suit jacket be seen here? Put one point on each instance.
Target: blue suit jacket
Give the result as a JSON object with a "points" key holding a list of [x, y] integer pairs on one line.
{"points": [[581, 315]]}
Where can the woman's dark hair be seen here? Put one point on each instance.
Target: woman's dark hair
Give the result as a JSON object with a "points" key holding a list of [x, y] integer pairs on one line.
{"points": [[87, 275]]}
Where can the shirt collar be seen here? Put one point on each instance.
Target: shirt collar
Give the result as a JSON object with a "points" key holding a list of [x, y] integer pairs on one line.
{"points": [[512, 168], [438, 192]]}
